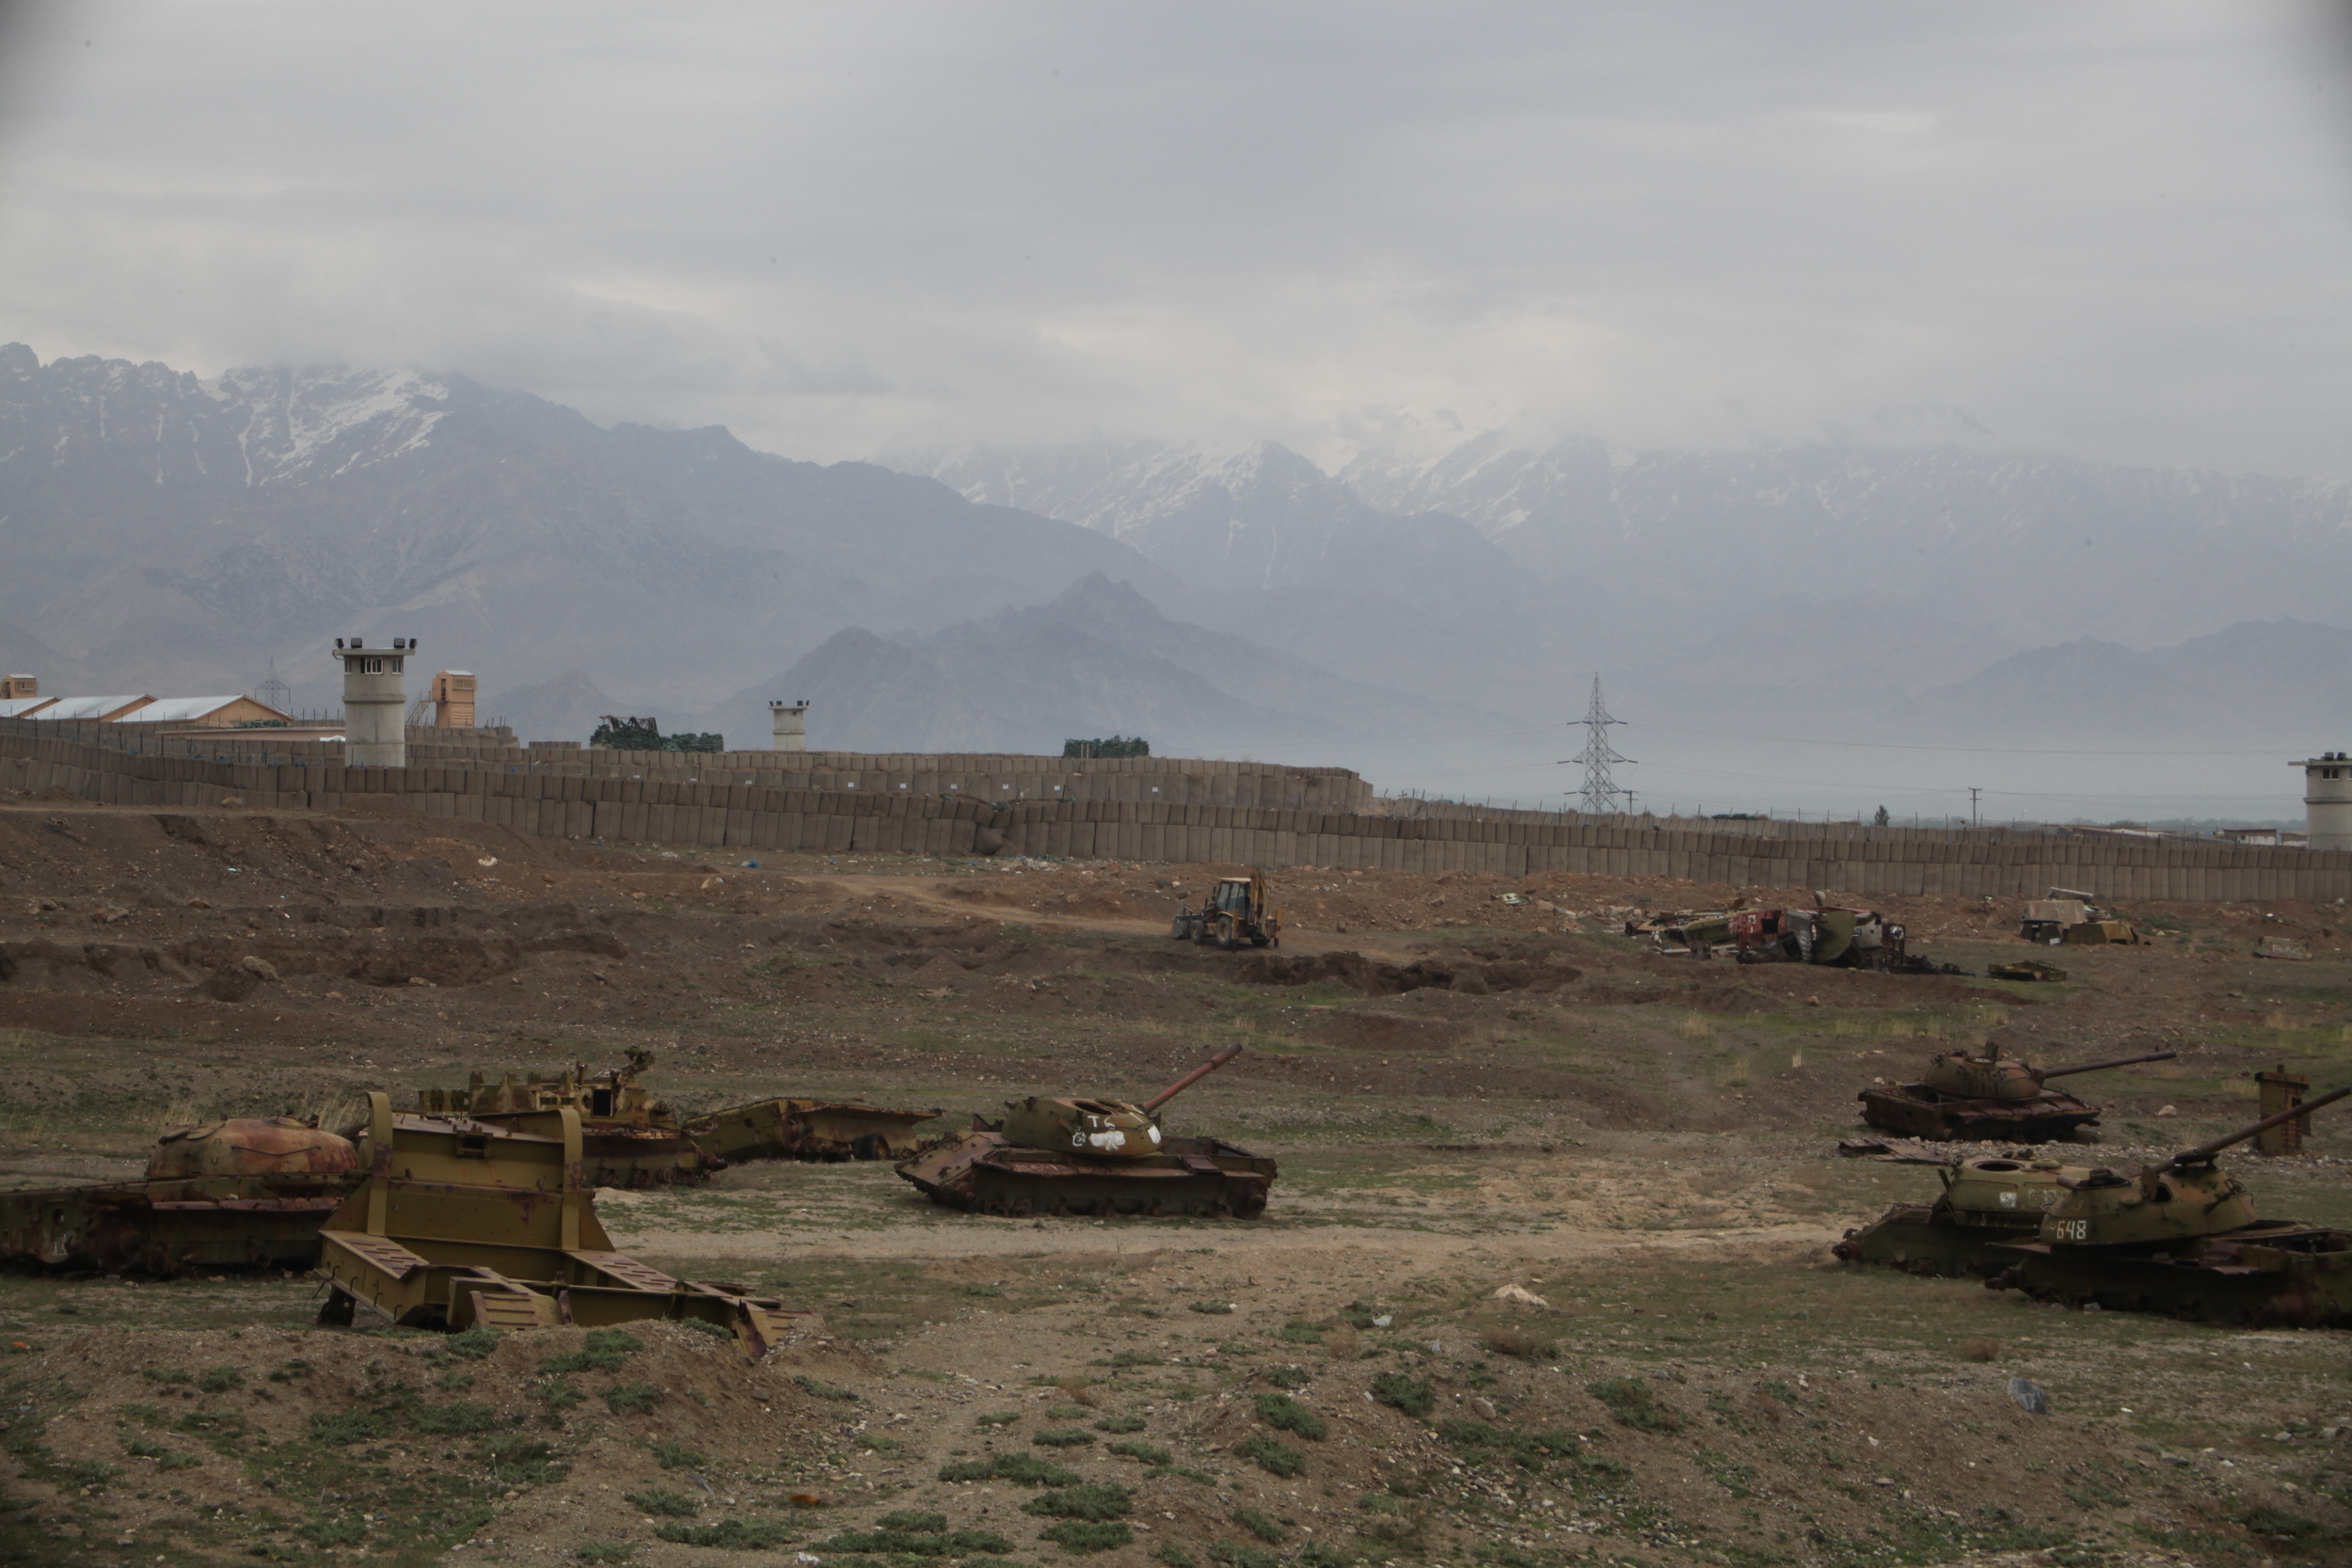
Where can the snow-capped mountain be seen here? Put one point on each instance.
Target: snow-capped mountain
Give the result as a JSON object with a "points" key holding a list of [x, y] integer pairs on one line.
{"points": [[248, 429]]}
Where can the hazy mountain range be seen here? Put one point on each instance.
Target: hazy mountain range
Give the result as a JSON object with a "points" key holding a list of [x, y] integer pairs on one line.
{"points": [[173, 535]]}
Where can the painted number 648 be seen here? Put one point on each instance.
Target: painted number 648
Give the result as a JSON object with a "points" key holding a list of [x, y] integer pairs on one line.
{"points": [[2074, 1230]]}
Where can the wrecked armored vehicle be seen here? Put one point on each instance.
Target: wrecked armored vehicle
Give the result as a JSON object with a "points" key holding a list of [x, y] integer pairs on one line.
{"points": [[1054, 1155], [1990, 1098]]}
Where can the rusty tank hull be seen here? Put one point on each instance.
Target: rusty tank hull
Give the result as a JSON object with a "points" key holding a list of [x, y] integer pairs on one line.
{"points": [[1200, 1178], [821, 1130], [1986, 1204], [2272, 1273], [631, 1137], [241, 1194], [1920, 1112]]}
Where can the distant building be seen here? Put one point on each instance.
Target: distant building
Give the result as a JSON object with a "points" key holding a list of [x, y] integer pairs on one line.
{"points": [[211, 712], [2328, 800], [93, 709], [2282, 838]]}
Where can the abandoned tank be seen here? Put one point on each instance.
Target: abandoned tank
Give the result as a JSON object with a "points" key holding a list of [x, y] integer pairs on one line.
{"points": [[821, 1130], [246, 1193], [1055, 1155], [633, 1139], [1984, 1202], [1989, 1097], [2181, 1238]]}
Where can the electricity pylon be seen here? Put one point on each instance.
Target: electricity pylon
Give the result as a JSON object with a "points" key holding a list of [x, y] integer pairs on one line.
{"points": [[1600, 793]]}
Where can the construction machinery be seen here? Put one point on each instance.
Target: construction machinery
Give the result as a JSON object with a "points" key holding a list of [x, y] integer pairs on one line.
{"points": [[824, 1130], [634, 1139], [459, 1222], [246, 1193], [2181, 1238], [1238, 909], [1990, 1097], [1052, 1155]]}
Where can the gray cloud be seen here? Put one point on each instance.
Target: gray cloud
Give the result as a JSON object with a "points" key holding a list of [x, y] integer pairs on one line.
{"points": [[2119, 231]]}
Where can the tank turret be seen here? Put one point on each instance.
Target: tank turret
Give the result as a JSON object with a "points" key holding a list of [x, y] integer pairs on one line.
{"points": [[279, 1146], [2180, 1200], [1096, 1128], [1992, 1076]]}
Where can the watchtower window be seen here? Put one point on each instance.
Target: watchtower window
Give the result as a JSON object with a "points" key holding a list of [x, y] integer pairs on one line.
{"points": [[369, 666]]}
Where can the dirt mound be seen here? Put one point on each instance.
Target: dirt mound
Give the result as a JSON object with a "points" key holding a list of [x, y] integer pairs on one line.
{"points": [[1374, 1029], [274, 1443], [1372, 977]]}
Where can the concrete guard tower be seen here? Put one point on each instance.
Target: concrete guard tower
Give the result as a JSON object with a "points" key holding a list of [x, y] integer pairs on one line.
{"points": [[2328, 800], [791, 721], [375, 703]]}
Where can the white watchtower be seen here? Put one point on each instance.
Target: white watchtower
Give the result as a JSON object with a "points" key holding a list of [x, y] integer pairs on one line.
{"points": [[375, 703], [791, 726], [2328, 800]]}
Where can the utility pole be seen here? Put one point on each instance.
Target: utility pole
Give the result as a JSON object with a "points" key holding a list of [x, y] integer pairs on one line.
{"points": [[1600, 791], [1973, 793]]}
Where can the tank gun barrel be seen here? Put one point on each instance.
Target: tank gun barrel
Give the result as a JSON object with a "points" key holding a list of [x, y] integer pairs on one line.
{"points": [[2101, 1067], [2207, 1150], [1189, 1078]]}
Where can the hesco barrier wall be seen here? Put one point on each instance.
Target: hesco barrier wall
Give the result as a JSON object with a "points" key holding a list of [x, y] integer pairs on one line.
{"points": [[750, 817]]}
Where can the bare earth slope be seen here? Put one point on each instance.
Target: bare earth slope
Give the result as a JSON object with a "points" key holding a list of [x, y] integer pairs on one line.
{"points": [[1464, 1093]]}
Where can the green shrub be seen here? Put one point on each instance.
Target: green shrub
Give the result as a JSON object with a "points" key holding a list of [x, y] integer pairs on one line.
{"points": [[474, 1344], [1065, 1412], [521, 1461], [937, 1541], [1114, 746], [822, 1389], [1148, 1453], [1285, 1413], [332, 1533], [1262, 1526], [1629, 1400], [735, 1535], [1409, 1394], [220, 1379], [668, 1504], [1298, 1332], [559, 1394], [165, 1374], [1093, 1500], [1173, 1555], [704, 1326], [1066, 1437], [996, 1418], [1322, 1554], [1021, 1468], [457, 1418], [603, 1351], [340, 1429], [1215, 1309], [675, 1456], [1276, 1459], [917, 1520], [602, 1551], [1120, 1424], [1088, 1535], [1360, 1314], [291, 1370], [1226, 1555], [1293, 1377], [623, 1397]]}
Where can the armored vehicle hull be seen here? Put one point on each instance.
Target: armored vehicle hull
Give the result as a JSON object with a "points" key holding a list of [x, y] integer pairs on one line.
{"points": [[243, 1194], [629, 1138], [2270, 1274], [1985, 1203], [1204, 1178], [1921, 1112], [784, 1129]]}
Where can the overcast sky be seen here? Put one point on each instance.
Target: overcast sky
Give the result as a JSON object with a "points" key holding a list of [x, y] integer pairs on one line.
{"points": [[2117, 231]]}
